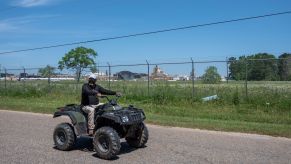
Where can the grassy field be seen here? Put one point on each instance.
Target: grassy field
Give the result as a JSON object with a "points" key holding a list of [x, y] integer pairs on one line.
{"points": [[266, 109]]}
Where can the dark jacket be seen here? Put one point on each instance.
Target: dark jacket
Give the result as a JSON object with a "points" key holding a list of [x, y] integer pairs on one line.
{"points": [[89, 94]]}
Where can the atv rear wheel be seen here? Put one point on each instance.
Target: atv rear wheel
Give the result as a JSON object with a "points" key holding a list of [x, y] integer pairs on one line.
{"points": [[140, 138], [106, 143], [64, 136]]}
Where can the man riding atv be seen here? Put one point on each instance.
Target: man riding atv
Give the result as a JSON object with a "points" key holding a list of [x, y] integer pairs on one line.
{"points": [[90, 93], [108, 123]]}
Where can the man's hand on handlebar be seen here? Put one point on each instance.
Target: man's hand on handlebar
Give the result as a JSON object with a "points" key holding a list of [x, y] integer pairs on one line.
{"points": [[99, 95]]}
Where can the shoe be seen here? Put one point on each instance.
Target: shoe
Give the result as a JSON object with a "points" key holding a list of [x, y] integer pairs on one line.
{"points": [[91, 132]]}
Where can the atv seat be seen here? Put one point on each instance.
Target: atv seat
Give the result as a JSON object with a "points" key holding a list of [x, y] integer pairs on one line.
{"points": [[75, 108]]}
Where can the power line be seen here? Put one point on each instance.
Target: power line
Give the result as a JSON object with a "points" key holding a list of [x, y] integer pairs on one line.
{"points": [[148, 33]]}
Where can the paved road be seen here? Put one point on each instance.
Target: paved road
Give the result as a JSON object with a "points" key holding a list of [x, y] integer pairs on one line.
{"points": [[27, 138]]}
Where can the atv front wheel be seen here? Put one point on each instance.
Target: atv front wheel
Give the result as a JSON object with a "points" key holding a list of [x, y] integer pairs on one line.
{"points": [[106, 143], [64, 136], [140, 138]]}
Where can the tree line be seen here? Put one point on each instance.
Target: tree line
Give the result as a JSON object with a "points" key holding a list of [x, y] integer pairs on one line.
{"points": [[261, 66], [257, 67]]}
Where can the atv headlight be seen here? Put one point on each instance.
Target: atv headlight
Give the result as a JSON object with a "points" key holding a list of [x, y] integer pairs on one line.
{"points": [[124, 119]]}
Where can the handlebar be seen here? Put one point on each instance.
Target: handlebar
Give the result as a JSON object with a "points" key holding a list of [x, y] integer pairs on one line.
{"points": [[103, 96]]}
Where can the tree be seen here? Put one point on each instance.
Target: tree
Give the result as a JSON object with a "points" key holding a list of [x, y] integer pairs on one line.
{"points": [[284, 66], [259, 67], [211, 76], [46, 71], [237, 68], [263, 67], [78, 59]]}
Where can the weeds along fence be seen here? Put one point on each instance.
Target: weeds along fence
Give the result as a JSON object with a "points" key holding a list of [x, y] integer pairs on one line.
{"points": [[256, 81]]}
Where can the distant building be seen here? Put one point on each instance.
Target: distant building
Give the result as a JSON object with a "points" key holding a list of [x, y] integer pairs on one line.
{"points": [[63, 76], [26, 75], [100, 75], [7, 75], [159, 74], [181, 78], [127, 75], [23, 75]]}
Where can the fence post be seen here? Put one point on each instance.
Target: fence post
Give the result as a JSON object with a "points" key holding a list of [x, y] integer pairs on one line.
{"points": [[24, 73], [49, 78], [227, 74], [5, 79], [148, 65], [246, 78], [109, 74], [192, 78]]}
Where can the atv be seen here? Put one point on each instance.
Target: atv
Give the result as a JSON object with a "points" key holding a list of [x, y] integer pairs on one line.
{"points": [[112, 122]]}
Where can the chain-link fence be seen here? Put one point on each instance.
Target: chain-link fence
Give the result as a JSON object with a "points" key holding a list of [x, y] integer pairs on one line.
{"points": [[232, 80]]}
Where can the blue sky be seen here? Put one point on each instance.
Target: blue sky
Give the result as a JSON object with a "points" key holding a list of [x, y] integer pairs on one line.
{"points": [[35, 23]]}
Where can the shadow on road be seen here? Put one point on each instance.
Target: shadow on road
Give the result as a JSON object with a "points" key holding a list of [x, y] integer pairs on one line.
{"points": [[125, 148], [85, 144], [82, 144]]}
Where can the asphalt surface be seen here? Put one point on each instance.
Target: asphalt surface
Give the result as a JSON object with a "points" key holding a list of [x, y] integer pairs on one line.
{"points": [[27, 138]]}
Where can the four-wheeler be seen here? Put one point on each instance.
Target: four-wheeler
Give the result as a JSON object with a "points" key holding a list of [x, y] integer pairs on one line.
{"points": [[112, 122]]}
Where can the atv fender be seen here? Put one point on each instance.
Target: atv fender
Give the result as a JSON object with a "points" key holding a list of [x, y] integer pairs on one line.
{"points": [[78, 120], [112, 117]]}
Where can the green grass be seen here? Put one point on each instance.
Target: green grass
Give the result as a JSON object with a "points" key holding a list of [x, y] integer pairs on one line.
{"points": [[282, 130], [266, 110]]}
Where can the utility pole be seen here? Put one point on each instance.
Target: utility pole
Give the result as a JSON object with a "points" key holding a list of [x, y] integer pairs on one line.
{"points": [[148, 77], [24, 73], [246, 78], [49, 76], [5, 80], [109, 74], [192, 77]]}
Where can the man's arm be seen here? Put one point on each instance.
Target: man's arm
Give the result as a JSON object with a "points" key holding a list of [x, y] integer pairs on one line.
{"points": [[105, 91]]}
